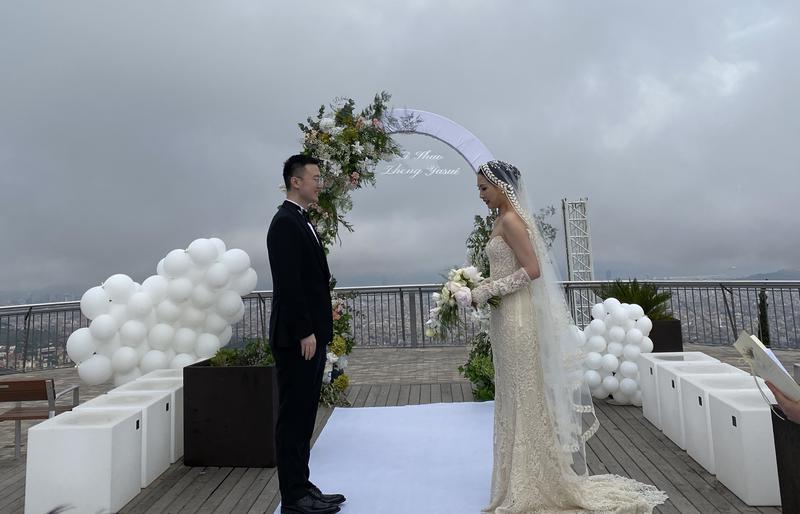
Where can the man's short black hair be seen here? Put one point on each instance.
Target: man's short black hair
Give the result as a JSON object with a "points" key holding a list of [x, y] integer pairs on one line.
{"points": [[294, 165]]}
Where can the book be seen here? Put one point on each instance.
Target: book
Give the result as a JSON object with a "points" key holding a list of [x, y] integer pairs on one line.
{"points": [[766, 365]]}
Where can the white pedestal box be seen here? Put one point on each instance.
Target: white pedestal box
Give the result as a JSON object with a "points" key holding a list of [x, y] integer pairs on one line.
{"points": [[156, 426], [648, 375], [696, 415], [163, 373], [174, 386], [669, 394], [88, 460], [744, 448]]}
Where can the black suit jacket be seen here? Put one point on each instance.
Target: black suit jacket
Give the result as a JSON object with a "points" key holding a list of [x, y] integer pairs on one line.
{"points": [[301, 300]]}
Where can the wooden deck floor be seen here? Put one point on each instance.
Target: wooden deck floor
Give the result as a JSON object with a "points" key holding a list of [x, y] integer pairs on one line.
{"points": [[626, 444]]}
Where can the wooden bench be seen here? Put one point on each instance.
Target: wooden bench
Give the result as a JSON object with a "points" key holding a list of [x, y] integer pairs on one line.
{"points": [[31, 391]]}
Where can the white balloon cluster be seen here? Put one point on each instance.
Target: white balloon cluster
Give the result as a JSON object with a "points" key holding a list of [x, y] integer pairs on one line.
{"points": [[613, 341], [174, 318]]}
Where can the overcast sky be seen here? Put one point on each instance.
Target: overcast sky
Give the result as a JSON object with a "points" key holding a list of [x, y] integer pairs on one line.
{"points": [[128, 129]]}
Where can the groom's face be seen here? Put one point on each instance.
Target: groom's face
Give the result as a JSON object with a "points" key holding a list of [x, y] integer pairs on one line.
{"points": [[309, 184]]}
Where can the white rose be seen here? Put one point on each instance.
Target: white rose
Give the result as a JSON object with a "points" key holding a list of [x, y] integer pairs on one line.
{"points": [[453, 286], [332, 357], [472, 274], [326, 124], [464, 297], [436, 297]]}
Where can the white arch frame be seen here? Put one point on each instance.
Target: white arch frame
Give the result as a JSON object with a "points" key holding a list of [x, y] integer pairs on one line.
{"points": [[414, 121]]}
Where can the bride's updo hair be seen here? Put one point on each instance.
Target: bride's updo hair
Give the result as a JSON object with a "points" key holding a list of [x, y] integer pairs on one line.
{"points": [[499, 173]]}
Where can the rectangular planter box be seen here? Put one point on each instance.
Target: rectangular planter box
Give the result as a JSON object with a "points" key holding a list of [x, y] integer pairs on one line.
{"points": [[667, 336], [230, 415], [787, 455]]}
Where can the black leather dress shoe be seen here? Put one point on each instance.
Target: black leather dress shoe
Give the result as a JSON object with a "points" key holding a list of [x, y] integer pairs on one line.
{"points": [[309, 505], [334, 499]]}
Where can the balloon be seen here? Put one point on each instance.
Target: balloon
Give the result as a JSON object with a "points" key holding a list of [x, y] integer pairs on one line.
{"points": [[192, 317], [219, 244], [124, 378], [202, 251], [228, 304], [156, 287], [628, 386], [599, 311], [245, 283], [614, 349], [619, 315], [167, 311], [132, 332], [225, 336], [634, 336], [621, 398], [119, 311], [637, 399], [616, 334], [597, 327], [628, 324], [610, 363], [237, 260], [203, 297], [592, 378], [218, 275], [139, 305], [632, 352], [610, 384], [593, 360], [108, 347], [207, 345], [81, 345], [215, 323], [160, 269], [646, 345], [182, 360], [184, 340], [610, 304], [124, 360], [153, 360], [600, 393], [628, 369], [177, 263], [239, 314], [119, 287], [636, 312], [103, 327], [578, 336], [596, 344], [179, 289], [95, 302], [645, 325], [160, 336], [95, 370]]}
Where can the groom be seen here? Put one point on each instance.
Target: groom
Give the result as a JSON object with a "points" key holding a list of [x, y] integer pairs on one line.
{"points": [[300, 328]]}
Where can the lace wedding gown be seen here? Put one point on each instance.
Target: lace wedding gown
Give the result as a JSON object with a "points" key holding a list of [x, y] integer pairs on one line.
{"points": [[531, 473]]}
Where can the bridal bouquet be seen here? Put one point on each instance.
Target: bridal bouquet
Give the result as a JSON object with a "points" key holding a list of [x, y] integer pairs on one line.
{"points": [[456, 293]]}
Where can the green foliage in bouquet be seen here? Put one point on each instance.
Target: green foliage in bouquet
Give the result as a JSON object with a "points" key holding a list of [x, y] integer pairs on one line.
{"points": [[479, 368], [644, 294], [255, 352]]}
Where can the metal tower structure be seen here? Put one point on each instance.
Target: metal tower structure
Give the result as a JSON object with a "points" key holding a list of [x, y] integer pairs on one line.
{"points": [[579, 256]]}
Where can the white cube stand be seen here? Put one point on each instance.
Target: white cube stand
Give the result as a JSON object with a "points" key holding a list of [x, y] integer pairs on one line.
{"points": [[696, 415], [163, 373], [744, 448], [669, 394], [174, 386], [89, 460], [648, 378], [156, 426]]}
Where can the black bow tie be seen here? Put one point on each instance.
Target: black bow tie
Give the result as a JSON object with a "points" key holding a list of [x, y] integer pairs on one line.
{"points": [[304, 213]]}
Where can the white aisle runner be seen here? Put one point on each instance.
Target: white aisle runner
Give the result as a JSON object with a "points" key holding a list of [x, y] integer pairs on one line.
{"points": [[434, 458]]}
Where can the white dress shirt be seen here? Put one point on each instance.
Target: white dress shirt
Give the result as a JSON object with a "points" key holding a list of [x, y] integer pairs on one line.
{"points": [[310, 226]]}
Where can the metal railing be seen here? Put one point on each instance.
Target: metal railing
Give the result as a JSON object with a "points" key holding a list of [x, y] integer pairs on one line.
{"points": [[34, 336]]}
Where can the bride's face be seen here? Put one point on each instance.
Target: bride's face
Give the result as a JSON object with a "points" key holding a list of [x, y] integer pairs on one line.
{"points": [[489, 193]]}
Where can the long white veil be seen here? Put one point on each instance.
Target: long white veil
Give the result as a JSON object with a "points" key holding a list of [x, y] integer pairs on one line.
{"points": [[568, 398]]}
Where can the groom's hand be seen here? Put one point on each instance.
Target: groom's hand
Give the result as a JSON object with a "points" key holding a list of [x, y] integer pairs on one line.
{"points": [[308, 347]]}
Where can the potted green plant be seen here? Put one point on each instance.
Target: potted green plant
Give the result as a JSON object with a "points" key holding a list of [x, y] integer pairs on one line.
{"points": [[231, 408], [666, 332]]}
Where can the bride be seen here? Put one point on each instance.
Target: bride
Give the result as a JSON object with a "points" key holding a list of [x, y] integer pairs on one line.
{"points": [[543, 412]]}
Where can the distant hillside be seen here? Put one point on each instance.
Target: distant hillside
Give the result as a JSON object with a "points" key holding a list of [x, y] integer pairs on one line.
{"points": [[784, 274]]}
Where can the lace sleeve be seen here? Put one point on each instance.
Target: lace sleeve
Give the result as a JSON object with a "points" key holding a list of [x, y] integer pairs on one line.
{"points": [[501, 287]]}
